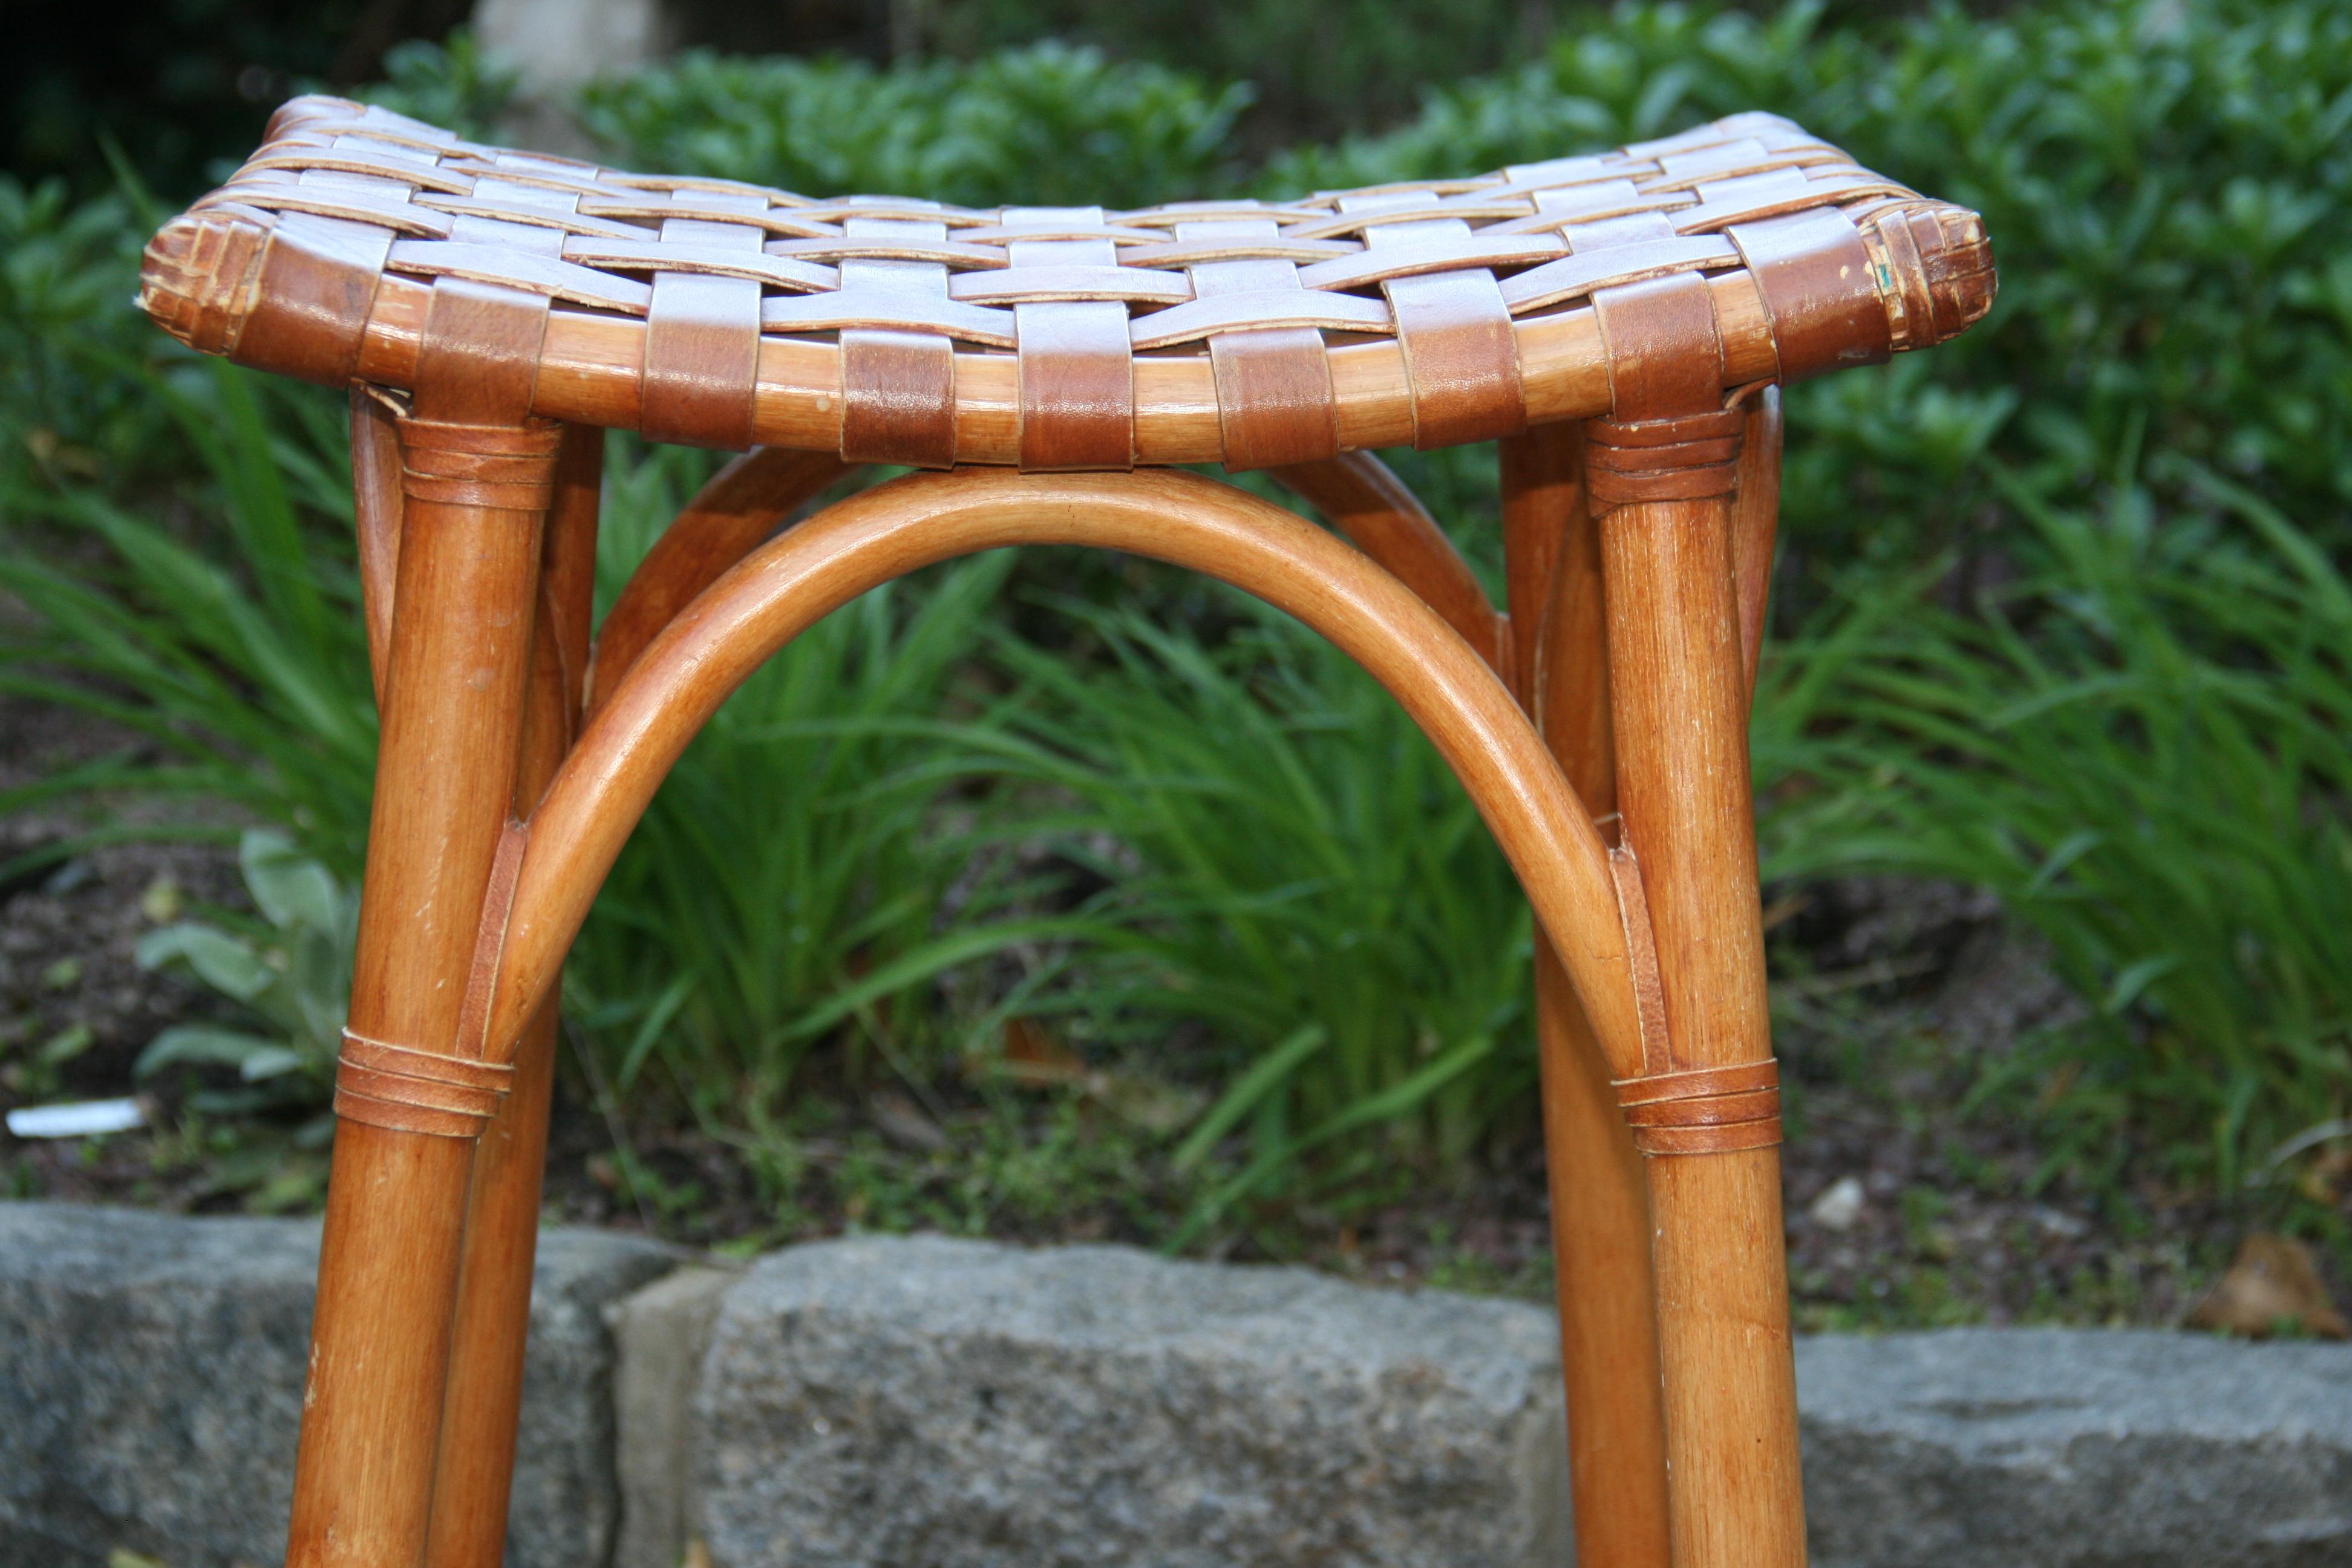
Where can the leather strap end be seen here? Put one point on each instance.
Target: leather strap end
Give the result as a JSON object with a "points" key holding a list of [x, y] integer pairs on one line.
{"points": [[1077, 386], [1274, 405], [311, 296], [1820, 289], [898, 393]]}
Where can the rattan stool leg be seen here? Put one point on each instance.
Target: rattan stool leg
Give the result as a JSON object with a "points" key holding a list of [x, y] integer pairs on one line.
{"points": [[1600, 1206], [1679, 716], [493, 1316], [410, 1107]]}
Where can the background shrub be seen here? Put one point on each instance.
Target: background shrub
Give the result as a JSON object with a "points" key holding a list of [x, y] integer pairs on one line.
{"points": [[2060, 604]]}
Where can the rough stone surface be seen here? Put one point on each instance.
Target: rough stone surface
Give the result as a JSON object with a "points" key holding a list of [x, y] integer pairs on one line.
{"points": [[660, 1335], [150, 1372], [2075, 1448], [930, 1404], [955, 1404]]}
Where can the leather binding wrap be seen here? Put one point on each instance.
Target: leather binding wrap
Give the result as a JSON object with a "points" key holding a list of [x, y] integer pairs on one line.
{"points": [[409, 1090], [890, 329], [1704, 1111]]}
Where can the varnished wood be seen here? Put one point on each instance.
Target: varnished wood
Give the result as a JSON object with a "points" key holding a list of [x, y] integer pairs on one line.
{"points": [[1679, 720], [483, 1399], [1599, 1203], [740, 506], [396, 1201], [879, 534], [1359, 495], [1756, 524]]}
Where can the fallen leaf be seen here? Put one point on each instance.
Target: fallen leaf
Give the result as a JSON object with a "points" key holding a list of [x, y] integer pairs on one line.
{"points": [[2272, 1284], [697, 1555], [119, 1558], [1034, 1058], [2328, 1171]]}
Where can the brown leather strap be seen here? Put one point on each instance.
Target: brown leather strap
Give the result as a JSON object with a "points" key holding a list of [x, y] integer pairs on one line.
{"points": [[411, 1091], [1462, 359], [1076, 366], [1815, 275], [1704, 1111], [702, 334], [377, 475], [898, 387], [897, 398], [1669, 436], [506, 467], [477, 357], [1275, 403], [1687, 459], [1664, 357], [1641, 957], [315, 287], [490, 939]]}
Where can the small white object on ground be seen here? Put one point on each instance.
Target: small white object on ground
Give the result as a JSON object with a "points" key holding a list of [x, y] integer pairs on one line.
{"points": [[80, 1118], [1840, 1206]]}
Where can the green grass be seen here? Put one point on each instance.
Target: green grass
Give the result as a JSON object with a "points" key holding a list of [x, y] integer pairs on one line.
{"points": [[788, 889], [1289, 867], [2141, 750]]}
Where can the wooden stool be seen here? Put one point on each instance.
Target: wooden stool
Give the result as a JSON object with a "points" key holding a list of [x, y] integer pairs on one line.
{"points": [[1619, 322]]}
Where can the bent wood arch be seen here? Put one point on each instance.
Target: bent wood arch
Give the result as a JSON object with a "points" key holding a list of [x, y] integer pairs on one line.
{"points": [[746, 501], [802, 575]]}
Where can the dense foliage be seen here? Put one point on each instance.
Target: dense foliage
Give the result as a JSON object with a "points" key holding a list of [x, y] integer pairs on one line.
{"points": [[2061, 607]]}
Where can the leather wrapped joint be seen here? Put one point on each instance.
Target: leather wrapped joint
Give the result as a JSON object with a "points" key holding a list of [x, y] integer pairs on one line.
{"points": [[1687, 459], [1704, 1111], [502, 468], [409, 1090]]}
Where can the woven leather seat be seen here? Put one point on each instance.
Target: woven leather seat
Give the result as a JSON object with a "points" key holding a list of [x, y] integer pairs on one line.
{"points": [[900, 331]]}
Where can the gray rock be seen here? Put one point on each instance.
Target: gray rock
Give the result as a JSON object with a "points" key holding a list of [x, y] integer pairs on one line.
{"points": [[151, 1377], [2075, 1448], [936, 1403], [660, 1336]]}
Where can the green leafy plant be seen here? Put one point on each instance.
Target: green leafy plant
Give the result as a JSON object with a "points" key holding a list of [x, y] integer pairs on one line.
{"points": [[1289, 864], [789, 885], [452, 84], [71, 405], [233, 649], [289, 971], [2163, 189], [2140, 749], [1044, 124]]}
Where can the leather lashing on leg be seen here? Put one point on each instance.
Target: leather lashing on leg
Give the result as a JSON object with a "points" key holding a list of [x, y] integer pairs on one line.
{"points": [[410, 1090], [1704, 1111]]}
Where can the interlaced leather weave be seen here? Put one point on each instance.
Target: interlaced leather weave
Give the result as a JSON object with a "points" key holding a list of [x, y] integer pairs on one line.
{"points": [[309, 259]]}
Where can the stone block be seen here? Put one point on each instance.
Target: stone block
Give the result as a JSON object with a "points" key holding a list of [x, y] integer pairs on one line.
{"points": [[151, 1380], [958, 1404], [2075, 1448]]}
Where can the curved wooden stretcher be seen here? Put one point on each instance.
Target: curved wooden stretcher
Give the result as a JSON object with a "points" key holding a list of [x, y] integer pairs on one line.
{"points": [[1619, 322]]}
